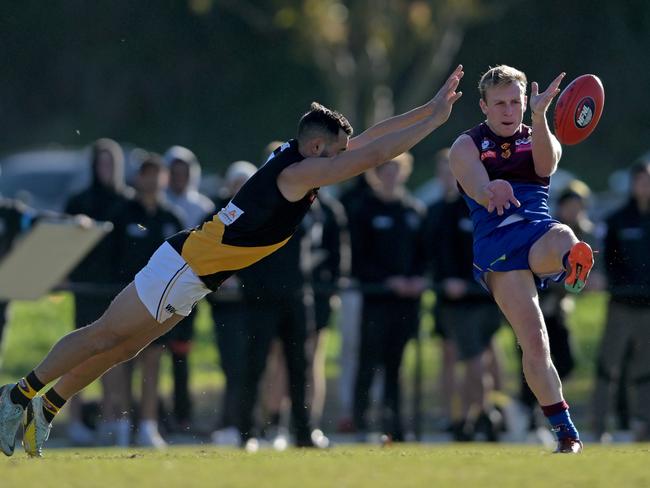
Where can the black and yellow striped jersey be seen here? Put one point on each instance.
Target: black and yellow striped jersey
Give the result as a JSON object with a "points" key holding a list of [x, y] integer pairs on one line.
{"points": [[256, 222]]}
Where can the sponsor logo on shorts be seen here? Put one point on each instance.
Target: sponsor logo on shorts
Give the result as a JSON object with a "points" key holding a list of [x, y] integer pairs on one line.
{"points": [[584, 112], [170, 308], [230, 213], [500, 258]]}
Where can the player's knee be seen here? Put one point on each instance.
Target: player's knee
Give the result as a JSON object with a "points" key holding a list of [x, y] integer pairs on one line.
{"points": [[535, 347], [103, 339]]}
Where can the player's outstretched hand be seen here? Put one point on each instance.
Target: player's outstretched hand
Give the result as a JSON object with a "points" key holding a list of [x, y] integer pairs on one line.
{"points": [[443, 101], [539, 102], [500, 196]]}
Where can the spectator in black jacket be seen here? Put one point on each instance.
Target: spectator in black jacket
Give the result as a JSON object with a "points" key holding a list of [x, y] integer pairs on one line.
{"points": [[466, 314], [143, 224], [432, 229], [330, 263], [278, 303], [627, 244], [93, 279], [227, 311], [388, 260]]}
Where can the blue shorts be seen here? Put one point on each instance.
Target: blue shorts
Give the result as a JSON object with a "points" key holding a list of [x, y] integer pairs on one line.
{"points": [[506, 249]]}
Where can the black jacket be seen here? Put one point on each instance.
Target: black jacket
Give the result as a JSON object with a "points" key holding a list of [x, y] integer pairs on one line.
{"points": [[386, 240], [449, 244], [138, 234], [102, 204], [627, 255]]}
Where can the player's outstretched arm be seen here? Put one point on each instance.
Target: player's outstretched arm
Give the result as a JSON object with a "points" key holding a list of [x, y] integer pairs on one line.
{"points": [[546, 148], [298, 178], [430, 109], [466, 166]]}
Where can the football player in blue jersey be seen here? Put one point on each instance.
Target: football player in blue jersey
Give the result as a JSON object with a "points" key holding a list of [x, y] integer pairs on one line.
{"points": [[503, 168]]}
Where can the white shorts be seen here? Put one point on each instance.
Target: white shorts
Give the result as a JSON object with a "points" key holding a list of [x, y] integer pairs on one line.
{"points": [[167, 285]]}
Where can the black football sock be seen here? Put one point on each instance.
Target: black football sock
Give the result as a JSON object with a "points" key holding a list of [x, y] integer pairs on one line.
{"points": [[26, 389], [52, 403]]}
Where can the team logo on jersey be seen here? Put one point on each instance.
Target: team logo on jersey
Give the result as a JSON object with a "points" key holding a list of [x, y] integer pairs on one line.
{"points": [[506, 152], [488, 154], [524, 144], [230, 213], [486, 144]]}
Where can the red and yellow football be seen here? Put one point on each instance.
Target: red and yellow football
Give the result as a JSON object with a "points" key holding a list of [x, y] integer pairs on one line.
{"points": [[578, 109]]}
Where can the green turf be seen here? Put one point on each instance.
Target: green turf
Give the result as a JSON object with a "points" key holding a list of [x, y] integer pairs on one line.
{"points": [[474, 465]]}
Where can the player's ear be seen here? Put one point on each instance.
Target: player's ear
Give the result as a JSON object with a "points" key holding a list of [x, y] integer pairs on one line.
{"points": [[316, 147], [483, 106], [525, 102]]}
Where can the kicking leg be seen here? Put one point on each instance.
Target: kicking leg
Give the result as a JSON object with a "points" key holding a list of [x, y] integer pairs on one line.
{"points": [[560, 250]]}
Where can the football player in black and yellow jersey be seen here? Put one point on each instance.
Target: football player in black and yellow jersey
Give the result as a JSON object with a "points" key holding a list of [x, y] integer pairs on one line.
{"points": [[260, 219]]}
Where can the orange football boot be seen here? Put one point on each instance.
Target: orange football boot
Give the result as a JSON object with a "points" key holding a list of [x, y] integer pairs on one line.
{"points": [[579, 262]]}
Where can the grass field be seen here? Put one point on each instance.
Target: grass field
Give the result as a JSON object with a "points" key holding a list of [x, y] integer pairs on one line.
{"points": [[475, 465]]}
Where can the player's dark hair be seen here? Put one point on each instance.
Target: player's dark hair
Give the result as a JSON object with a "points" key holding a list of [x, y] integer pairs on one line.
{"points": [[321, 119]]}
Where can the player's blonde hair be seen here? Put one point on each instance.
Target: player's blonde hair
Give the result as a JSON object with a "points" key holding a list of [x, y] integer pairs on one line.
{"points": [[501, 75]]}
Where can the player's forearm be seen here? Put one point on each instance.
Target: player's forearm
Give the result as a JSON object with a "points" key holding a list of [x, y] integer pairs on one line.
{"points": [[382, 149], [546, 150], [392, 124], [475, 187], [473, 178]]}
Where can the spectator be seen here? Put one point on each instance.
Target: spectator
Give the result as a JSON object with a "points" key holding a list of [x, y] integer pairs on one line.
{"points": [[182, 192], [432, 230], [330, 255], [465, 314], [387, 250], [279, 303], [226, 307], [350, 314], [94, 279], [627, 331], [140, 228]]}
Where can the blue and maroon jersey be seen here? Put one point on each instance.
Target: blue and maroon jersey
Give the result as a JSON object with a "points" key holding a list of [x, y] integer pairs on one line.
{"points": [[510, 159]]}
